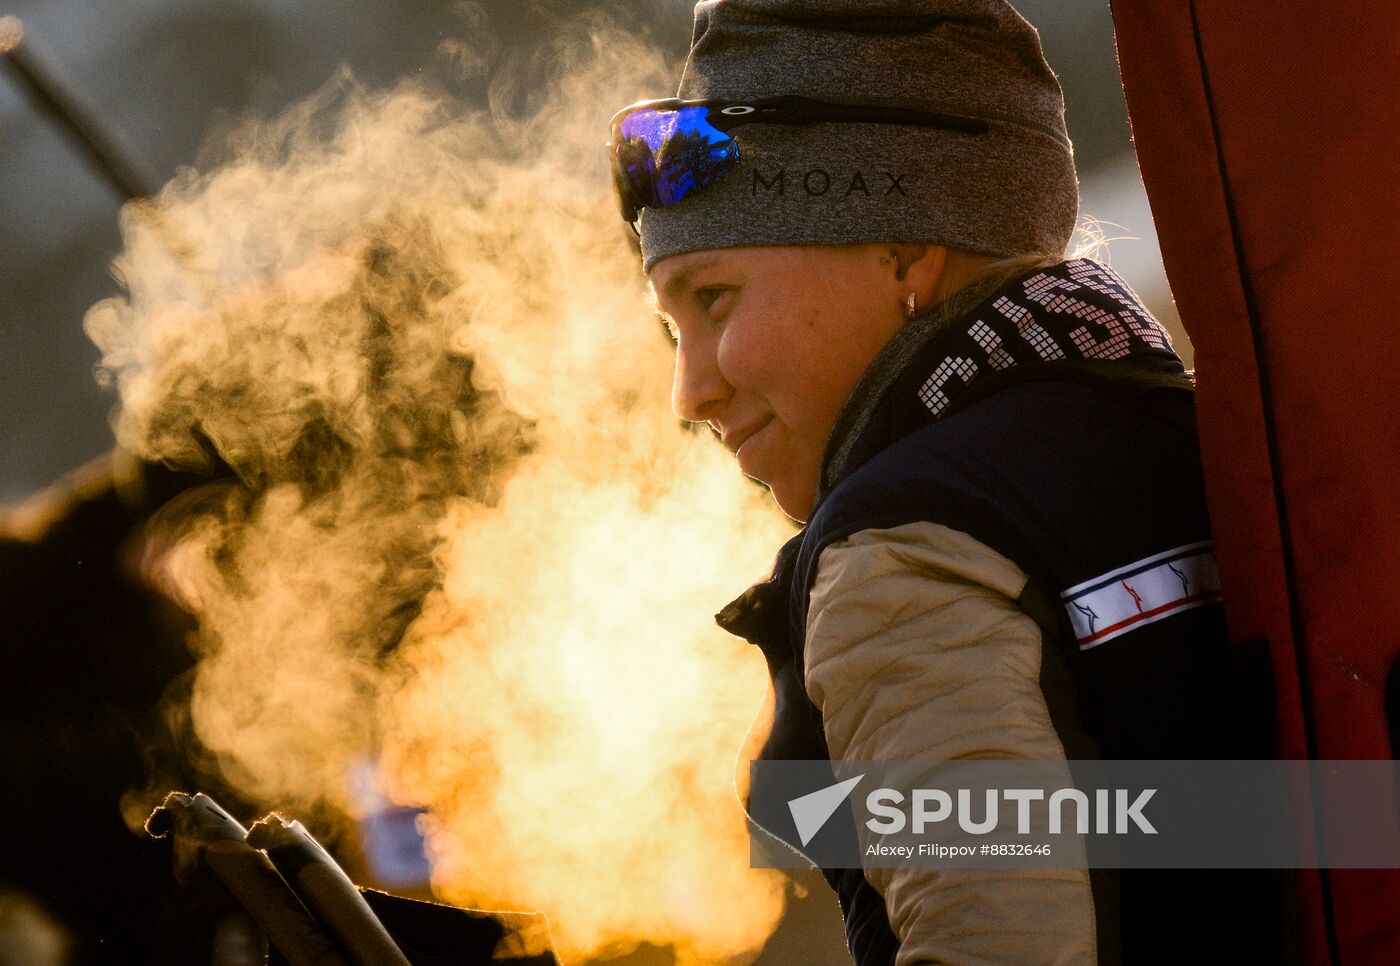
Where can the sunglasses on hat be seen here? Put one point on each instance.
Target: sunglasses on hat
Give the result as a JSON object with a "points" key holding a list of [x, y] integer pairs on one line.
{"points": [[664, 151]]}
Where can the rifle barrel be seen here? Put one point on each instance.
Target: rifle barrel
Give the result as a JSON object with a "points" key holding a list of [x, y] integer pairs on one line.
{"points": [[100, 141]]}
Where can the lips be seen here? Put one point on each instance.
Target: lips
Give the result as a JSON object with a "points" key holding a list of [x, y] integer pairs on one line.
{"points": [[734, 439]]}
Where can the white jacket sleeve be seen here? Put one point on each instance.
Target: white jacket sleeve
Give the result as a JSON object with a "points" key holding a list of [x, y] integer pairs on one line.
{"points": [[916, 650]]}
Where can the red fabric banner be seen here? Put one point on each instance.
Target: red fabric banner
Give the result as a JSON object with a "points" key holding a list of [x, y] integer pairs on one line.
{"points": [[1267, 138]]}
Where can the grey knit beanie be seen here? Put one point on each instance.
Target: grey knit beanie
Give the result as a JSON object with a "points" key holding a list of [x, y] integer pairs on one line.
{"points": [[1011, 191]]}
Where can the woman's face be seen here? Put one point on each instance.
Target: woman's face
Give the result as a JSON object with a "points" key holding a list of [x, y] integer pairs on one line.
{"points": [[771, 341]]}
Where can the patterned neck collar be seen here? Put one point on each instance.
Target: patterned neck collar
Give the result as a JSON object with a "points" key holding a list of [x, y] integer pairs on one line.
{"points": [[1075, 310]]}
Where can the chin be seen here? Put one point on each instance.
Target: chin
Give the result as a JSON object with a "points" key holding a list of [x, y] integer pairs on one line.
{"points": [[796, 506]]}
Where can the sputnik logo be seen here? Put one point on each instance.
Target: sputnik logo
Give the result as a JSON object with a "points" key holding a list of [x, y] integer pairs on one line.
{"points": [[811, 811]]}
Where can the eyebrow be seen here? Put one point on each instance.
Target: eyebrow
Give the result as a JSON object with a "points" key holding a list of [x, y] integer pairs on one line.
{"points": [[679, 282]]}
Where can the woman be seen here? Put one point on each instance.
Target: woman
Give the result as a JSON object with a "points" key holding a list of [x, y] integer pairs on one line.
{"points": [[858, 242]]}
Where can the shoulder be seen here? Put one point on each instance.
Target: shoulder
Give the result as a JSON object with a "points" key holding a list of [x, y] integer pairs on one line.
{"points": [[1045, 435], [1037, 470]]}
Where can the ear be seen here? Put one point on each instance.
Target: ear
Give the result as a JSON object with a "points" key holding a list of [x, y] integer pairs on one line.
{"points": [[919, 268]]}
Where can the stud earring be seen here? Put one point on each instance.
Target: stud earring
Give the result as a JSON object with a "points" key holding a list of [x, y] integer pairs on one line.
{"points": [[910, 304]]}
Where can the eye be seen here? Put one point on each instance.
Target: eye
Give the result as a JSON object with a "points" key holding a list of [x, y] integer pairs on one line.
{"points": [[710, 294]]}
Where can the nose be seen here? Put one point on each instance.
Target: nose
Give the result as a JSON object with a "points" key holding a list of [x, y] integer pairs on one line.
{"points": [[699, 389]]}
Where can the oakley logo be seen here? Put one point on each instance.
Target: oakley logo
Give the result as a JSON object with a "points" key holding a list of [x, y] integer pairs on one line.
{"points": [[817, 183]]}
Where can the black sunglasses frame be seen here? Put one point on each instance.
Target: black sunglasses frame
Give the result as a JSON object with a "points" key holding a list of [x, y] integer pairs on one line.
{"points": [[725, 115]]}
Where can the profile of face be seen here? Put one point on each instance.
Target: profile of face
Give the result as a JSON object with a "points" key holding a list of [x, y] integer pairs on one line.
{"points": [[770, 342]]}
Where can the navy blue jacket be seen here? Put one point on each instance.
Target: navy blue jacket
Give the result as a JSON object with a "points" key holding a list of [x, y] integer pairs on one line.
{"points": [[1086, 474]]}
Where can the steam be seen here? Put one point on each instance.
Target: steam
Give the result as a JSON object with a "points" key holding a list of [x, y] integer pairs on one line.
{"points": [[463, 533]]}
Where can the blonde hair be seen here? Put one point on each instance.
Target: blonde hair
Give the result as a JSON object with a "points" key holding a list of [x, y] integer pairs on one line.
{"points": [[984, 274], [981, 276]]}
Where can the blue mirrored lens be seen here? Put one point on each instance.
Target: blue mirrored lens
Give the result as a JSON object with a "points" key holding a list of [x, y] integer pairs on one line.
{"points": [[669, 155]]}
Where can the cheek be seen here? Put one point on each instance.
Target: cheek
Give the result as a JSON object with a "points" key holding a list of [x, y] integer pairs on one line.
{"points": [[750, 354], [793, 380], [798, 354]]}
